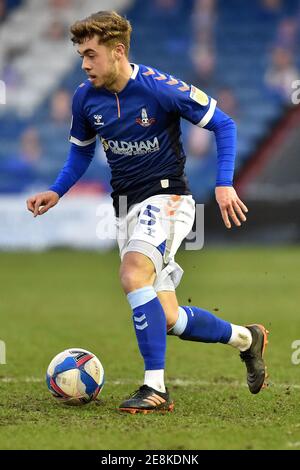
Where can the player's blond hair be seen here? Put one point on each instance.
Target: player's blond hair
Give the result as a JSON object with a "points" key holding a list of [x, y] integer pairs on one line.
{"points": [[110, 27]]}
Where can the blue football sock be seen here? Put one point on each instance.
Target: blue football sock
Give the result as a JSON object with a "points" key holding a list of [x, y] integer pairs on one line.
{"points": [[150, 326], [196, 324]]}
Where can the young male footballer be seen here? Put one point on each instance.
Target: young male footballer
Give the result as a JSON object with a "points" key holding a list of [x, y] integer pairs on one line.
{"points": [[136, 111]]}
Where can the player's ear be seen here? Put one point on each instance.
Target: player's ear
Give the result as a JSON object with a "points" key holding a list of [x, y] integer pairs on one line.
{"points": [[119, 51]]}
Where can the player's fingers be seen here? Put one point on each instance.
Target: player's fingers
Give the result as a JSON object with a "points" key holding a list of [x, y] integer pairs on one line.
{"points": [[37, 204], [225, 218], [233, 216], [30, 204], [239, 212], [242, 205], [45, 208]]}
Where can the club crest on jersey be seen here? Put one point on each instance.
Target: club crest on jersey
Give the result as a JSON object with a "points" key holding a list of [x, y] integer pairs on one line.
{"points": [[145, 121], [98, 120]]}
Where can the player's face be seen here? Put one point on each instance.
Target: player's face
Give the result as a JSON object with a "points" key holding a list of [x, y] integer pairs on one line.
{"points": [[99, 63]]}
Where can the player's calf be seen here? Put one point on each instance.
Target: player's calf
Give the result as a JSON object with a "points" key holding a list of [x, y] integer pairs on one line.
{"points": [[149, 320], [195, 324]]}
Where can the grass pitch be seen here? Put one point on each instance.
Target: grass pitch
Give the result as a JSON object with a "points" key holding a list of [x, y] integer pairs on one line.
{"points": [[60, 299]]}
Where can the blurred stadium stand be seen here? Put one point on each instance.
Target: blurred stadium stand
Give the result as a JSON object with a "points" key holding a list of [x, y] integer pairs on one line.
{"points": [[245, 54], [6, 6], [273, 173]]}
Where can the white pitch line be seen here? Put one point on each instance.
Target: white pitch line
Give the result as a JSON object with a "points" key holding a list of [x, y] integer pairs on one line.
{"points": [[175, 382]]}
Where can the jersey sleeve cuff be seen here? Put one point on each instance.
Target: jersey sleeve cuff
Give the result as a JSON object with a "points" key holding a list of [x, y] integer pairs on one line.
{"points": [[56, 190], [82, 143], [224, 183], [207, 117]]}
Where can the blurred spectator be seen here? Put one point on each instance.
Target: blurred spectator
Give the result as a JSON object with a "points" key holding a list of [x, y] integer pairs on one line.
{"points": [[60, 107], [6, 5], [204, 62], [57, 31], [287, 34], [273, 6], [167, 6], [30, 147], [202, 52], [55, 128], [163, 10], [281, 74], [2, 10], [198, 142], [60, 4], [204, 20], [10, 74], [20, 171], [271, 10], [227, 102]]}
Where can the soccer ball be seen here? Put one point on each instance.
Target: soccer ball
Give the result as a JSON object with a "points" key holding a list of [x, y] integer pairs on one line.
{"points": [[75, 376]]}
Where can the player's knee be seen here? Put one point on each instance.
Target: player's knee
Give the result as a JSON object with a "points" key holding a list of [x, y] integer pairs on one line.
{"points": [[136, 271], [171, 321]]}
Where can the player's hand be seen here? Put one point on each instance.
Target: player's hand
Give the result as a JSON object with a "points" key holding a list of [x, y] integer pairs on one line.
{"points": [[231, 206], [42, 202]]}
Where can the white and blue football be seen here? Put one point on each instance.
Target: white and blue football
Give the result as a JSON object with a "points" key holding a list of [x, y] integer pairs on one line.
{"points": [[75, 376]]}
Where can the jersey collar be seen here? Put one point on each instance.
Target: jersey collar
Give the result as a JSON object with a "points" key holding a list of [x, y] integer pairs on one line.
{"points": [[135, 71]]}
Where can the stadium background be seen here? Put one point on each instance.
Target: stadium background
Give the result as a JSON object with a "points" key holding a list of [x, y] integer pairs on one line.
{"points": [[246, 55]]}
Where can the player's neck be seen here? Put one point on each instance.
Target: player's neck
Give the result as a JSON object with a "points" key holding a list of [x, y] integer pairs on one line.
{"points": [[122, 79]]}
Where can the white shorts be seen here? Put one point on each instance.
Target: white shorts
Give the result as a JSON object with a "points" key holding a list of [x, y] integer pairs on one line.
{"points": [[156, 228]]}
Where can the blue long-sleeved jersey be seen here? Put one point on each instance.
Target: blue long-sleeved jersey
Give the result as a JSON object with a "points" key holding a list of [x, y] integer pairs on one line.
{"points": [[140, 132]]}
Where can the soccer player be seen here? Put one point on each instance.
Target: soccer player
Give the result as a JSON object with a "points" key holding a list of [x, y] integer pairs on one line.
{"points": [[136, 111]]}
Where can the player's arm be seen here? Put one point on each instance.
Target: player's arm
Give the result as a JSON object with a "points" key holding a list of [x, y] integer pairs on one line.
{"points": [[77, 163], [231, 206], [198, 108], [83, 143]]}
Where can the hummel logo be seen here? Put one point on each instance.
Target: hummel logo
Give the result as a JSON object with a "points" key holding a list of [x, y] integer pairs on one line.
{"points": [[140, 320], [98, 120], [192, 313]]}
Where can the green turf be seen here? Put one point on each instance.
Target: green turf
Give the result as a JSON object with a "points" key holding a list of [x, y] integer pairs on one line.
{"points": [[53, 301]]}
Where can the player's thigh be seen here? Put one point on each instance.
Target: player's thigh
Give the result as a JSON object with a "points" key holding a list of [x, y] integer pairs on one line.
{"points": [[168, 300], [182, 220], [144, 235]]}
